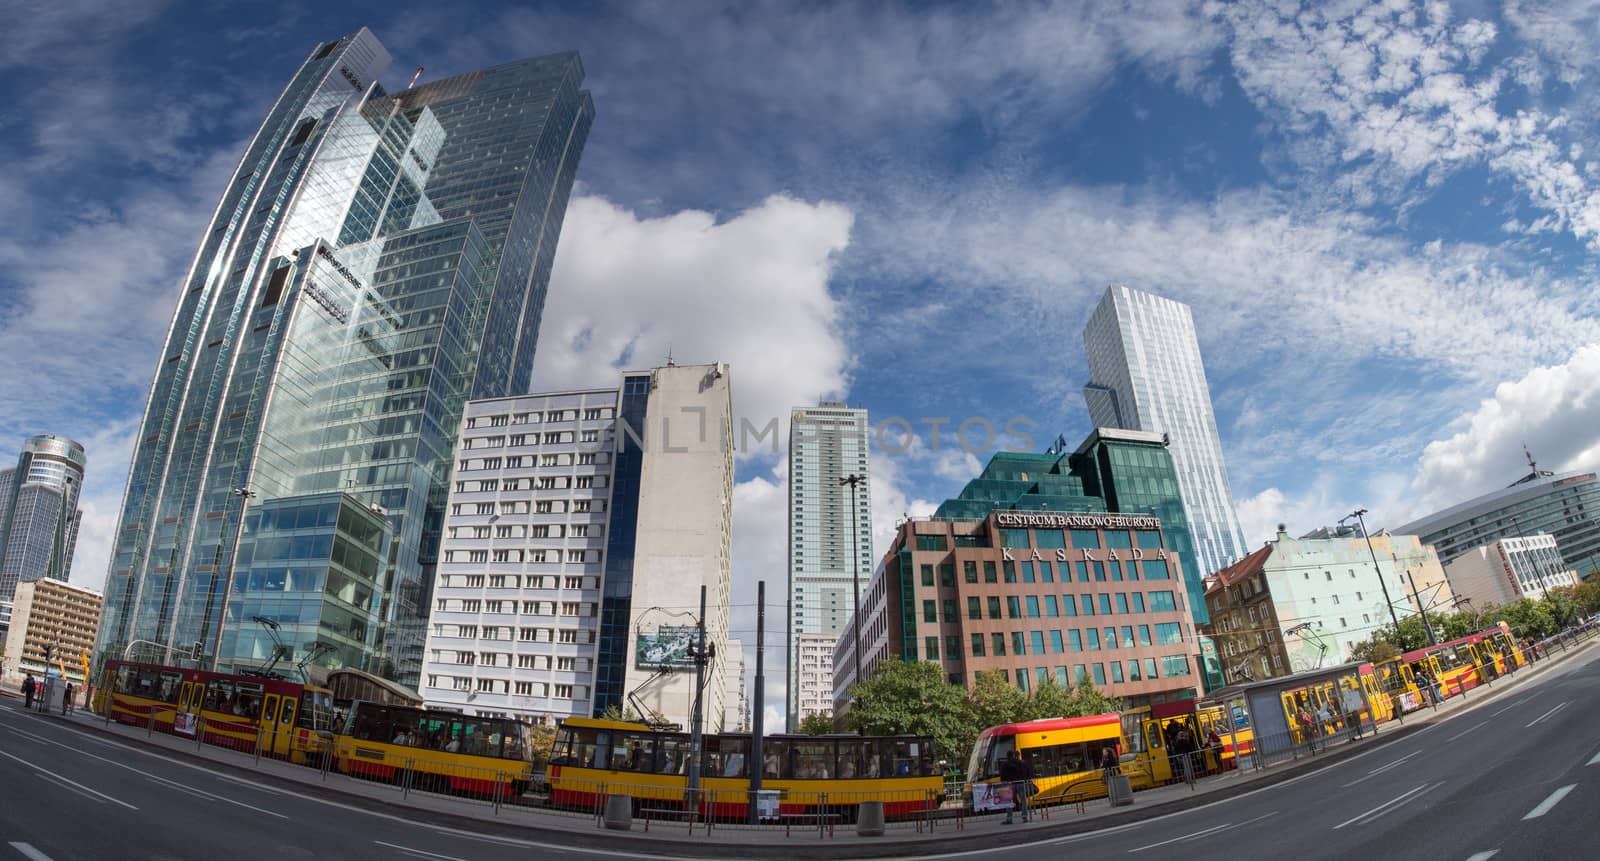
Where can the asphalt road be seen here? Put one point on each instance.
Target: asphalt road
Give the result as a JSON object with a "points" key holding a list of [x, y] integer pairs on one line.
{"points": [[1517, 777], [67, 794]]}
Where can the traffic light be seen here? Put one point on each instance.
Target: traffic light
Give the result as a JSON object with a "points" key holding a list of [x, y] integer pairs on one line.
{"points": [[48, 652], [195, 651]]}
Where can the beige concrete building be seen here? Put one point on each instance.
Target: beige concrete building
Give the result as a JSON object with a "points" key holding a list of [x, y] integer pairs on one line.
{"points": [[51, 617]]}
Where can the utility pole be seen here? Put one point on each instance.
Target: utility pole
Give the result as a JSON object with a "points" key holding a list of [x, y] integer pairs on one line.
{"points": [[1357, 514], [1421, 608], [697, 718], [855, 567], [758, 720]]}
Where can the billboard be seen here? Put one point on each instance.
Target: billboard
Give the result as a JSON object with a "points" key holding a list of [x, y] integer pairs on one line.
{"points": [[670, 647]]}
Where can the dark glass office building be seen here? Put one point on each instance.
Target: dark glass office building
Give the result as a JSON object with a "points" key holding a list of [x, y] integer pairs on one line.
{"points": [[377, 259]]}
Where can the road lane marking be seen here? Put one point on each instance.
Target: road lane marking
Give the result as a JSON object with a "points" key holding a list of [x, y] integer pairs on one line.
{"points": [[69, 787], [1387, 806], [503, 841], [31, 853], [1380, 769], [47, 773], [1593, 759], [1511, 706], [166, 781], [1547, 714], [418, 852], [1465, 731], [1552, 801], [1484, 856], [1207, 832], [39, 738], [203, 794]]}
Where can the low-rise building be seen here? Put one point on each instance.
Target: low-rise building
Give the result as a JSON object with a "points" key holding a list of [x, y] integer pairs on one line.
{"points": [[1298, 604], [53, 625], [1508, 570]]}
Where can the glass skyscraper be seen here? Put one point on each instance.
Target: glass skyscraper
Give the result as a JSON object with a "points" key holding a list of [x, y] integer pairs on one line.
{"points": [[1145, 374], [39, 513], [377, 259], [827, 444]]}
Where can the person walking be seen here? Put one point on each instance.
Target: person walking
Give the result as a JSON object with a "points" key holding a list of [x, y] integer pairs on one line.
{"points": [[66, 700], [1308, 726], [1015, 771], [29, 687]]}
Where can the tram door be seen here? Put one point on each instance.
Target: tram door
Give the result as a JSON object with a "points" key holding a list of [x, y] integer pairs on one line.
{"points": [[285, 736], [1156, 749], [268, 726]]}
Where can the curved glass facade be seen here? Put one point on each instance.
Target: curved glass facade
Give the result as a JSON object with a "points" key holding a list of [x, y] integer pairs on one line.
{"points": [[369, 250]]}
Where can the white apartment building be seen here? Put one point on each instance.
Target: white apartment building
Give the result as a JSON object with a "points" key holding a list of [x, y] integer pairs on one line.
{"points": [[830, 546], [1508, 570], [577, 520]]}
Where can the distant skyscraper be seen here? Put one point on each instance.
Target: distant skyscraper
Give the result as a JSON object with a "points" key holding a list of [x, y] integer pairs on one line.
{"points": [[1145, 374], [376, 260], [827, 444], [39, 513]]}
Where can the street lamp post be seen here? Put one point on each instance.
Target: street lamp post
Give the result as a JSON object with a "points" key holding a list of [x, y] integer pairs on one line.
{"points": [[1422, 608], [1357, 514], [855, 568]]}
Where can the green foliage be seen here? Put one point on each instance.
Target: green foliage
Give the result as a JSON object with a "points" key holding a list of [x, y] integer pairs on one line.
{"points": [[820, 723], [913, 697], [542, 742], [1375, 650], [1530, 618]]}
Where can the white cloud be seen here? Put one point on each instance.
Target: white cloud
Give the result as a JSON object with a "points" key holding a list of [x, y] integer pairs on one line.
{"points": [[751, 290], [1563, 32], [1553, 410], [1386, 94]]}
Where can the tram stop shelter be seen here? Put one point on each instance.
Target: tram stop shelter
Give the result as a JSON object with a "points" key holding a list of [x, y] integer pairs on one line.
{"points": [[1261, 707]]}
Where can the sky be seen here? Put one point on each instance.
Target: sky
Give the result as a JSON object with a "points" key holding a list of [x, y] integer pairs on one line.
{"points": [[1384, 216]]}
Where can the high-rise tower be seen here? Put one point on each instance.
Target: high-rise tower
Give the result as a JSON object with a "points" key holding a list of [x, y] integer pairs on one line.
{"points": [[39, 513], [1145, 374], [830, 545], [376, 260]]}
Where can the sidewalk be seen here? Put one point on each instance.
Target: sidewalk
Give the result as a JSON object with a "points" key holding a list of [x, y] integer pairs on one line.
{"points": [[675, 838]]}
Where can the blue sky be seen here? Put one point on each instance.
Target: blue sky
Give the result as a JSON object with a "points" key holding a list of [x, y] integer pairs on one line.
{"points": [[1384, 215]]}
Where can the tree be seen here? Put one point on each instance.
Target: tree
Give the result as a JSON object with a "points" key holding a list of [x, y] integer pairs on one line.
{"points": [[631, 715], [913, 697], [1088, 700], [820, 723], [1529, 618], [1565, 608], [1588, 595], [542, 742], [994, 701], [1375, 650], [1049, 700]]}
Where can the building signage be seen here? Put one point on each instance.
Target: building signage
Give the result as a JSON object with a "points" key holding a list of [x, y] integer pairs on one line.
{"points": [[327, 303], [1054, 520], [670, 647]]}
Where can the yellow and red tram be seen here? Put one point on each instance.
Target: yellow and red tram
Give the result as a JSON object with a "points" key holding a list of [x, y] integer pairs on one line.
{"points": [[436, 750], [805, 774], [291, 720]]}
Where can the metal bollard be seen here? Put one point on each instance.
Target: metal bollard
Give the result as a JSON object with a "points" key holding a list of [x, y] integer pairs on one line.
{"points": [[150, 724], [259, 733], [199, 731]]}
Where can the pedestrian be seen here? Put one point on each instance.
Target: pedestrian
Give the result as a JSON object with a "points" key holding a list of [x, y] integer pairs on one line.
{"points": [[1015, 771], [1308, 726], [29, 686], [1214, 745], [66, 700], [1108, 762]]}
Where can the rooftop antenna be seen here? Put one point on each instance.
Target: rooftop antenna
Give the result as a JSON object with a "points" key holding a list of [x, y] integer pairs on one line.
{"points": [[414, 78], [1534, 467], [670, 363]]}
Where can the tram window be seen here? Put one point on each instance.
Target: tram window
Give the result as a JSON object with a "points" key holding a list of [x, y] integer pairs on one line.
{"points": [[998, 751], [734, 756], [170, 683], [219, 695], [852, 758], [774, 758], [814, 760], [578, 747], [269, 714], [634, 752], [1042, 760], [514, 745], [246, 700]]}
